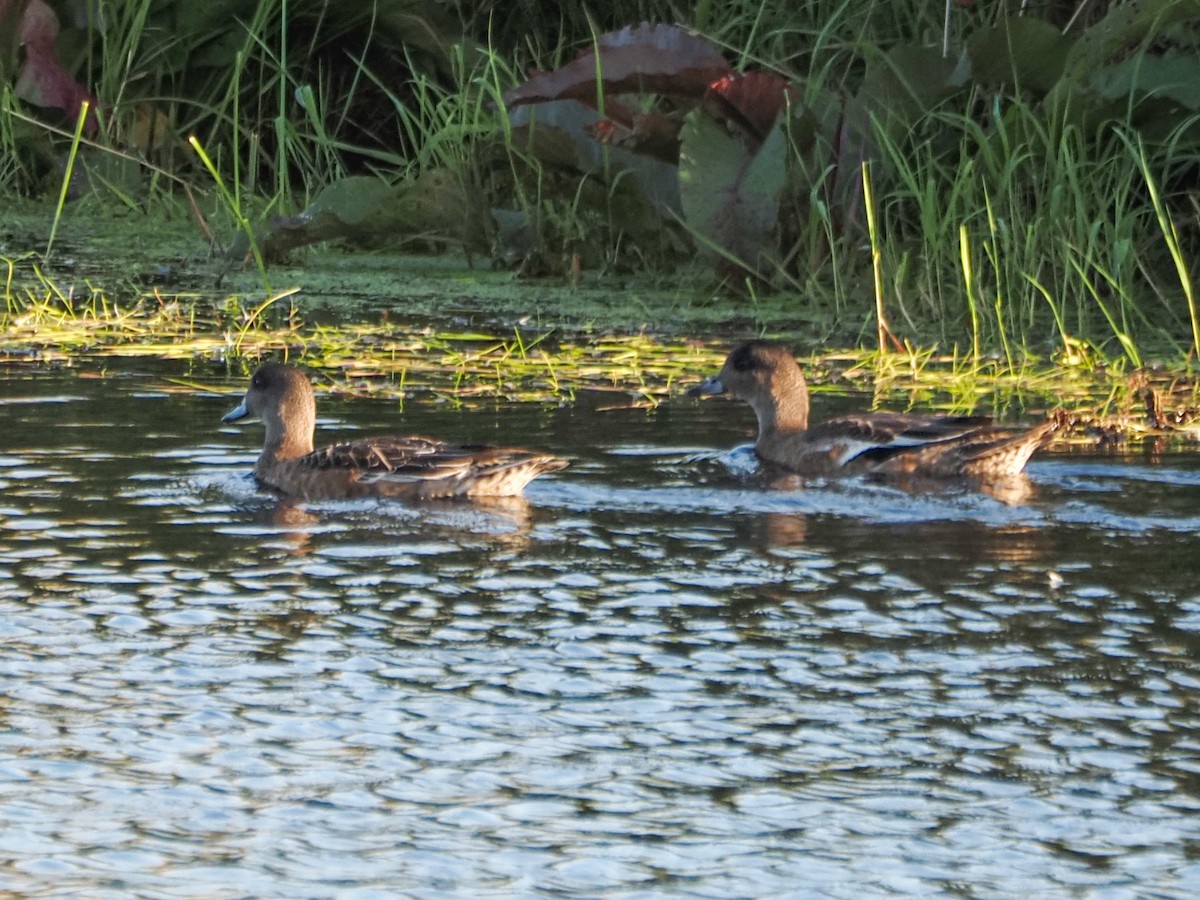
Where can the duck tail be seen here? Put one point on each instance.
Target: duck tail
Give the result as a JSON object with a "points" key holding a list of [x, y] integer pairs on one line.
{"points": [[1008, 454]]}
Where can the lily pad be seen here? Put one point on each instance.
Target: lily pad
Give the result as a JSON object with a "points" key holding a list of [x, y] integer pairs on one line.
{"points": [[663, 59], [1020, 50], [367, 212], [731, 192]]}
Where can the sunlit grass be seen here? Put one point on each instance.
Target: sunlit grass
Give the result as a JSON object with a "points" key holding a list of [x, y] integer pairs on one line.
{"points": [[41, 321], [991, 219], [1034, 217]]}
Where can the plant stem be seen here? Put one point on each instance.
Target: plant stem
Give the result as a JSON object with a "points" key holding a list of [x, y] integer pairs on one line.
{"points": [[242, 221], [964, 252], [66, 181], [881, 326]]}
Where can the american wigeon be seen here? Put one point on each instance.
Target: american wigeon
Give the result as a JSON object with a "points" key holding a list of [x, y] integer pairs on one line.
{"points": [[767, 377], [402, 467]]}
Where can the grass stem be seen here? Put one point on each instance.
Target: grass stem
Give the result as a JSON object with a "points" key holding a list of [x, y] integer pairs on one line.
{"points": [[235, 209], [72, 157], [881, 326]]}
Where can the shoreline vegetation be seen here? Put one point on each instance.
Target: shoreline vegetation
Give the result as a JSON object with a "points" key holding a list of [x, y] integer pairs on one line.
{"points": [[943, 209], [487, 353]]}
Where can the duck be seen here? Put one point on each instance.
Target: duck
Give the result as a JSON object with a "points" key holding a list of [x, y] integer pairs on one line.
{"points": [[766, 375], [402, 467]]}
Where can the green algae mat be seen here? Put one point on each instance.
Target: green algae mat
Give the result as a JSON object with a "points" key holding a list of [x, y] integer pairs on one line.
{"points": [[446, 326]]}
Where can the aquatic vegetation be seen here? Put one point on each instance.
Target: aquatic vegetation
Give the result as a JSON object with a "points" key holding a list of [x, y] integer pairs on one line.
{"points": [[43, 322], [1003, 218], [1029, 176]]}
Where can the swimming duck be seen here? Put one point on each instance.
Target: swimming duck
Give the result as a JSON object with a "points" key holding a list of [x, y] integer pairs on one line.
{"points": [[402, 467], [766, 376]]}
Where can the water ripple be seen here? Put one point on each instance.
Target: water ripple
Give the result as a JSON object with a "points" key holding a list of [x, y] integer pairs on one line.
{"points": [[663, 673]]}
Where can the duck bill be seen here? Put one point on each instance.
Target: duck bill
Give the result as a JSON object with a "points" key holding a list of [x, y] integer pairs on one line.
{"points": [[238, 412], [712, 386]]}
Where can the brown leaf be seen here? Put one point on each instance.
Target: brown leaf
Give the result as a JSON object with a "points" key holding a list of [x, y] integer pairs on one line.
{"points": [[749, 100], [661, 59], [649, 134], [42, 80]]}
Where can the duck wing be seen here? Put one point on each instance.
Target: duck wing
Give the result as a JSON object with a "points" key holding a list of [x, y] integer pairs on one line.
{"points": [[879, 436], [442, 467], [901, 444], [410, 456]]}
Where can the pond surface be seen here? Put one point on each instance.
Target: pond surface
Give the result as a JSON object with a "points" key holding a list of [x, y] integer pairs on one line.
{"points": [[663, 674]]}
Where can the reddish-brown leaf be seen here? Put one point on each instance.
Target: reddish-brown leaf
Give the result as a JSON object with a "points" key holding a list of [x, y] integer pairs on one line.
{"points": [[42, 80], [649, 134], [751, 101], [660, 59], [621, 114]]}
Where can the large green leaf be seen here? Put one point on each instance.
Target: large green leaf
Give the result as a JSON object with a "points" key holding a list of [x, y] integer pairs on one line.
{"points": [[899, 87], [1119, 70], [559, 133], [730, 195], [1173, 76], [907, 80], [1123, 29], [1021, 51], [211, 20], [364, 211]]}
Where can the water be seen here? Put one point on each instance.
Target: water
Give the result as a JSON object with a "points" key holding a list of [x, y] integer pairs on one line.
{"points": [[661, 675]]}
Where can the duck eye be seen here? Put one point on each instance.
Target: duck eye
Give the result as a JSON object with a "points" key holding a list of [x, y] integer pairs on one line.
{"points": [[258, 380]]}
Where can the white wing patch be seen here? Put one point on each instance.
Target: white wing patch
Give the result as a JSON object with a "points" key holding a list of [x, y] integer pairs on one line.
{"points": [[844, 451]]}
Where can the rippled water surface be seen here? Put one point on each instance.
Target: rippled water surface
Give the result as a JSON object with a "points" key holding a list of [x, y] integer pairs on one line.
{"points": [[663, 674]]}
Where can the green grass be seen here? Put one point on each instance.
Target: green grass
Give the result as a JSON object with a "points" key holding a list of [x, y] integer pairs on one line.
{"points": [[997, 227], [1049, 236], [45, 321]]}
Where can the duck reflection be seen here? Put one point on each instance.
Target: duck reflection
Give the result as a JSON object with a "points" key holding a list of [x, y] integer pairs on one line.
{"points": [[508, 520], [931, 548], [295, 524]]}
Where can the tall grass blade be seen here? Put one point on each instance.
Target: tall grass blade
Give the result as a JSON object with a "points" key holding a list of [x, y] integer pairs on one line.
{"points": [[66, 180], [881, 326], [968, 272], [234, 208], [1171, 236]]}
